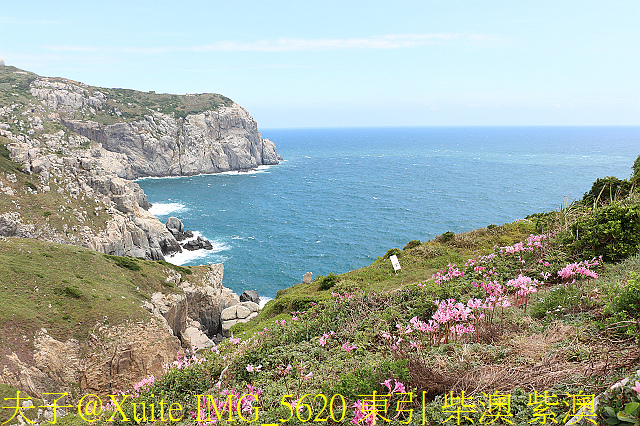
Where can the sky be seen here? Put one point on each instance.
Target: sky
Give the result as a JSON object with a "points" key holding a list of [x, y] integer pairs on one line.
{"points": [[311, 63]]}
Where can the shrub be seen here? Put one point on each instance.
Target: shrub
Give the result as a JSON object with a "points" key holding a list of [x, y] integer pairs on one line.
{"points": [[627, 299], [329, 281], [611, 231], [125, 262], [367, 379], [447, 236], [177, 268], [607, 189], [72, 292], [411, 244], [558, 302], [635, 177], [391, 252]]}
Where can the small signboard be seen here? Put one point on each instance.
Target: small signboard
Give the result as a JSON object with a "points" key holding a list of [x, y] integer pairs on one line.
{"points": [[394, 261]]}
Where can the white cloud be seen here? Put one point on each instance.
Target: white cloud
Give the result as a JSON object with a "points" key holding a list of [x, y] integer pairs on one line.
{"points": [[388, 41]]}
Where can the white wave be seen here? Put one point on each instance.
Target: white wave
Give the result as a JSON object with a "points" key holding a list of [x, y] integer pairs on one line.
{"points": [[163, 209], [259, 169], [186, 256], [263, 300]]}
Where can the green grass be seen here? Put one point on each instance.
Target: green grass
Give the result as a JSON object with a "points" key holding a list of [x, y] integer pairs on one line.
{"points": [[419, 263], [67, 289]]}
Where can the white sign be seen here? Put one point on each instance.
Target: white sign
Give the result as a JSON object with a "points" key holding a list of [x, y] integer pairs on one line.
{"points": [[394, 261]]}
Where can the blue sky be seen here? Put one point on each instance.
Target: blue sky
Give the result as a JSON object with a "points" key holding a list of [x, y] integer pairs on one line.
{"points": [[326, 63]]}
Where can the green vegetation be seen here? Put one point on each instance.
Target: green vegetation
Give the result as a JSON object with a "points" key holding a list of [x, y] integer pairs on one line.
{"points": [[552, 312], [549, 303], [43, 285]]}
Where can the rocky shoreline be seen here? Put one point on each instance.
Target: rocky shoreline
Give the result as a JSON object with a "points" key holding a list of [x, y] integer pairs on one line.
{"points": [[78, 150]]}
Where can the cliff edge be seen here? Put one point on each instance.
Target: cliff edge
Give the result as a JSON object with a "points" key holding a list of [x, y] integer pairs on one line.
{"points": [[77, 147]]}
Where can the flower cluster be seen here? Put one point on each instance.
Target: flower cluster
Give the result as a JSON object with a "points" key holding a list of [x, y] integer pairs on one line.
{"points": [[532, 243], [323, 339], [526, 286], [451, 273], [183, 361], [348, 347], [580, 268], [143, 384], [346, 295]]}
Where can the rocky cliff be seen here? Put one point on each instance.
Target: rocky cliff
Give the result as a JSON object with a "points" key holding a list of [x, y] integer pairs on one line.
{"points": [[79, 142]]}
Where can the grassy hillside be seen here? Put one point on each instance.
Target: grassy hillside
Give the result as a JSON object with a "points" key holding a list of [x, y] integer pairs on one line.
{"points": [[68, 289], [547, 304]]}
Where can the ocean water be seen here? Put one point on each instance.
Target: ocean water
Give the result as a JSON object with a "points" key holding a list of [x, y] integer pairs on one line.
{"points": [[343, 197]]}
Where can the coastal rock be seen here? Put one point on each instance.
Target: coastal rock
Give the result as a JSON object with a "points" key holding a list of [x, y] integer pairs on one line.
{"points": [[198, 244], [240, 313], [306, 278], [161, 145], [250, 296], [175, 225], [114, 357], [194, 338], [173, 308]]}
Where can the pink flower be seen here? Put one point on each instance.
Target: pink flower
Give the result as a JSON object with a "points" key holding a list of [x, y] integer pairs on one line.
{"points": [[348, 347], [637, 388], [252, 369]]}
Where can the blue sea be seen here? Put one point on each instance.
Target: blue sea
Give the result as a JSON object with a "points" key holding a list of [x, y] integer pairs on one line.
{"points": [[344, 196]]}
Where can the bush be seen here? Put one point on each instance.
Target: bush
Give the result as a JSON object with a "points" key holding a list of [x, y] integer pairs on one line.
{"points": [[177, 268], [329, 281], [635, 177], [391, 252], [447, 236], [125, 262], [365, 380], [72, 292], [608, 189], [411, 244], [626, 300], [558, 302], [612, 231]]}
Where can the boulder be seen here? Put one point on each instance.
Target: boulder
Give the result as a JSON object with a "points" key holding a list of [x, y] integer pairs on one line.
{"points": [[229, 314], [194, 338], [242, 312], [251, 296], [175, 225], [197, 244], [306, 278]]}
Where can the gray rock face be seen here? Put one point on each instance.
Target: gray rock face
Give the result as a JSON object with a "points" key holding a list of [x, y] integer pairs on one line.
{"points": [[306, 279], [95, 160], [174, 225], [241, 312], [250, 296], [161, 145]]}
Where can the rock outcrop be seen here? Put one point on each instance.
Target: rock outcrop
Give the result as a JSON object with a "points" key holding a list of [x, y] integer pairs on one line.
{"points": [[154, 143], [130, 231], [112, 359], [195, 316], [241, 312]]}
